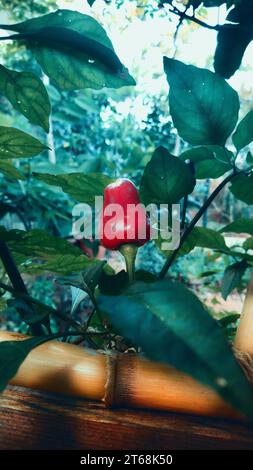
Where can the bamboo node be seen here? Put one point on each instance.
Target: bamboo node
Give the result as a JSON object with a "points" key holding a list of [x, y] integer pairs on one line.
{"points": [[111, 365], [246, 362]]}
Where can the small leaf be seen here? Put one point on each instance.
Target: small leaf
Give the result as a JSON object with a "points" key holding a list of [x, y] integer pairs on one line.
{"points": [[171, 325], [81, 187], [204, 108], [249, 158], [210, 161], [78, 296], [242, 188], [17, 144], [73, 50], [113, 284], [27, 95], [244, 133], [226, 321], [166, 179], [92, 275], [204, 238], [232, 278], [239, 226]]}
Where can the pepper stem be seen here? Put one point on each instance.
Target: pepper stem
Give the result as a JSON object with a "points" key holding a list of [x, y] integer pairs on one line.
{"points": [[129, 251]]}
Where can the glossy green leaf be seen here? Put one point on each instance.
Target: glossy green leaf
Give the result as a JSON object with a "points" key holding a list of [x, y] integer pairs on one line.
{"points": [[166, 179], [17, 144], [81, 187], [204, 108], [232, 278], [242, 188], [239, 226], [171, 325], [244, 133], [203, 238], [10, 171], [64, 264], [32, 248], [248, 244], [233, 37], [210, 161], [73, 50], [27, 95], [12, 354]]}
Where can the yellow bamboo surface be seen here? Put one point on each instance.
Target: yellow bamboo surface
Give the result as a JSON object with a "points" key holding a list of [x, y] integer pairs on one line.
{"points": [[123, 380], [244, 334]]}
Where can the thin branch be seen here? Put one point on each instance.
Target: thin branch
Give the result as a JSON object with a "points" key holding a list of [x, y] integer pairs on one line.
{"points": [[15, 277], [194, 221], [32, 300], [184, 16], [184, 210]]}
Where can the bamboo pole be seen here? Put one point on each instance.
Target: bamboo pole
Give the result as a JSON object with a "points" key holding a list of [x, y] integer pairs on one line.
{"points": [[123, 380], [244, 335]]}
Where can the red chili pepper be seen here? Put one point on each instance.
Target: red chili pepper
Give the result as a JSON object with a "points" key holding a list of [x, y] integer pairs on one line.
{"points": [[127, 227]]}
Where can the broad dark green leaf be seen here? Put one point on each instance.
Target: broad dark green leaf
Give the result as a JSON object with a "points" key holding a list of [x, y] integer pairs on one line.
{"points": [[73, 50], [91, 2], [232, 43], [12, 354], [210, 161], [248, 244], [58, 264], [10, 171], [239, 226], [171, 325], [32, 248], [204, 108], [17, 144], [166, 179], [244, 133], [81, 187], [234, 37], [242, 188], [232, 278], [27, 95]]}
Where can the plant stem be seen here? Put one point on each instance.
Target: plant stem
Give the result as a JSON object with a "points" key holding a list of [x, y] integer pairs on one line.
{"points": [[184, 209], [194, 221], [32, 300], [129, 251], [15, 278]]}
